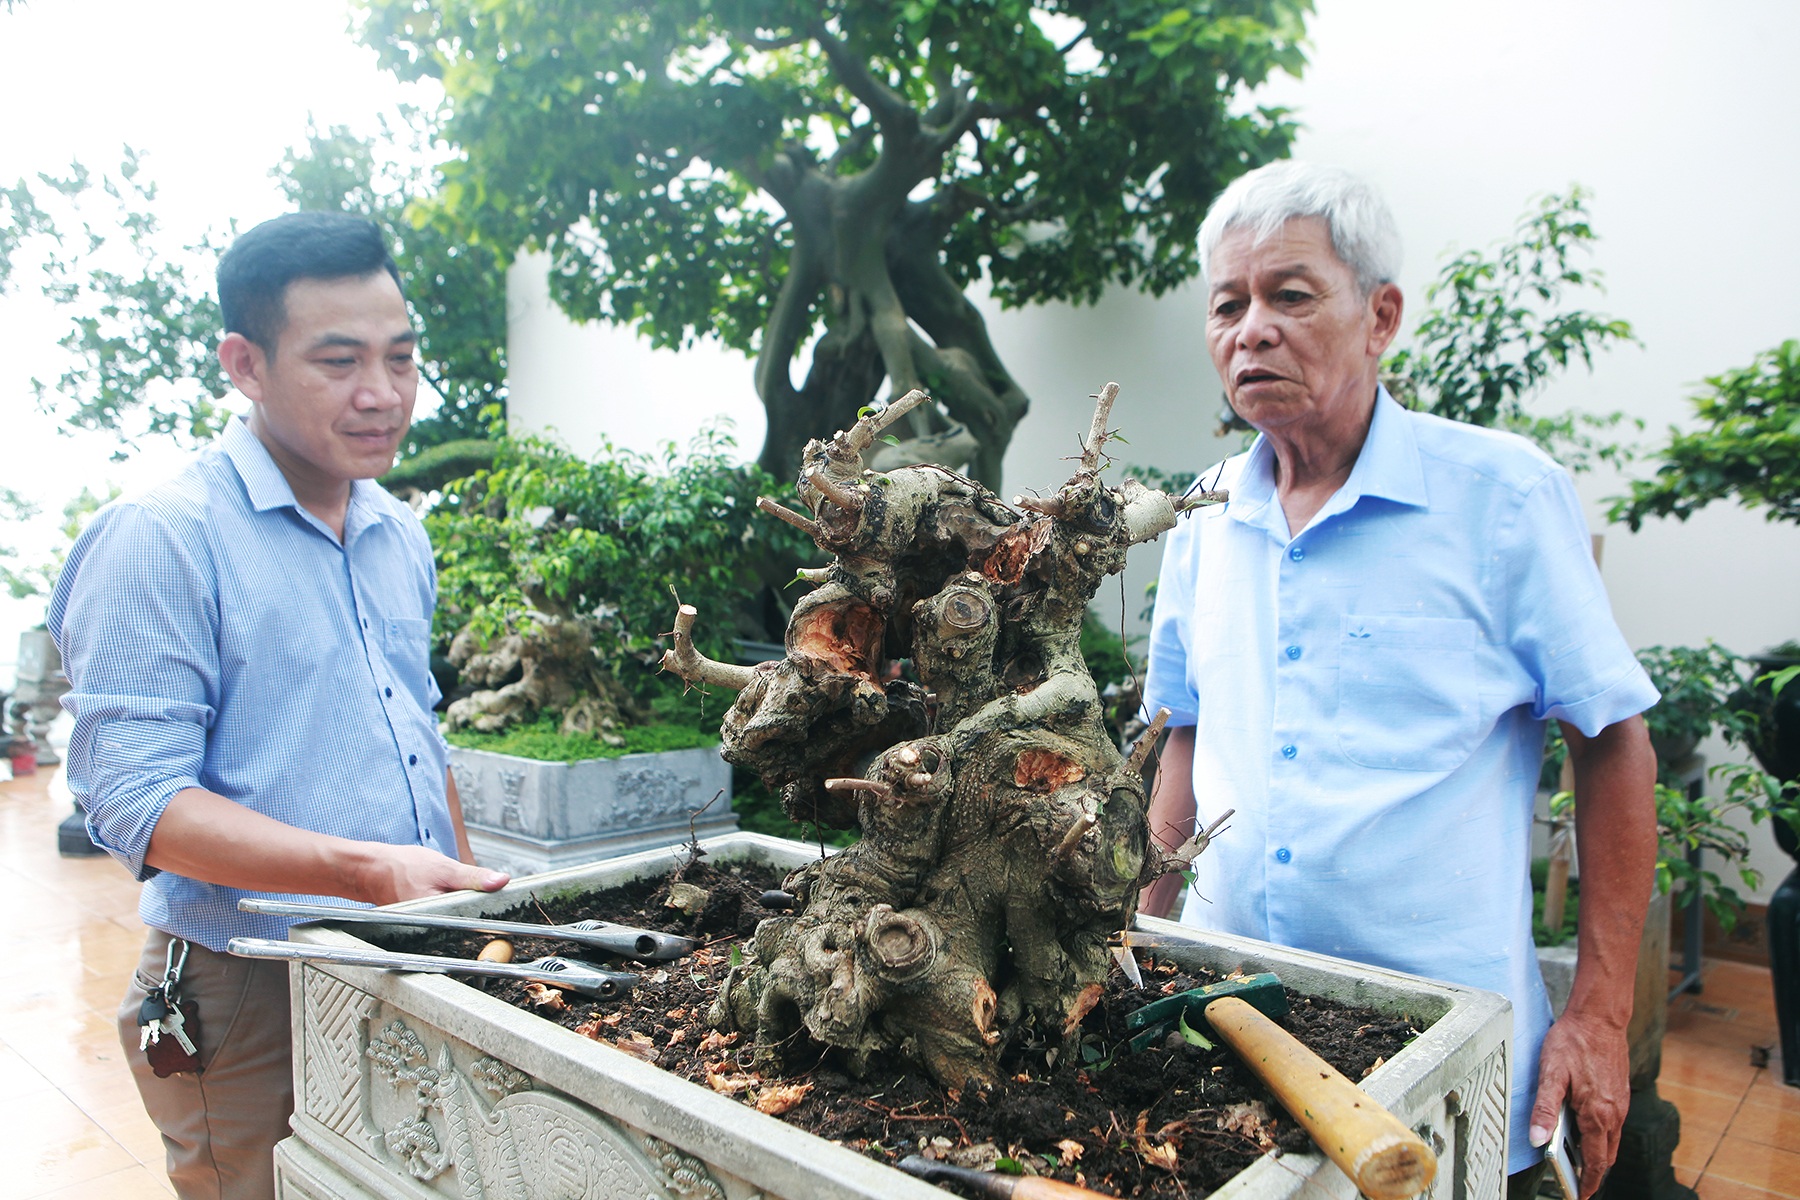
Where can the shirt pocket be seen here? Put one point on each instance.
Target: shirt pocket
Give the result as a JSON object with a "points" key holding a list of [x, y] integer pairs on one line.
{"points": [[1408, 697], [406, 644]]}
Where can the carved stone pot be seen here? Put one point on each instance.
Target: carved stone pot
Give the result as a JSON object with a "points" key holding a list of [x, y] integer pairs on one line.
{"points": [[526, 816], [416, 1087]]}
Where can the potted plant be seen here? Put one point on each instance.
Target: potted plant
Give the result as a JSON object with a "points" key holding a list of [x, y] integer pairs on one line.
{"points": [[555, 573]]}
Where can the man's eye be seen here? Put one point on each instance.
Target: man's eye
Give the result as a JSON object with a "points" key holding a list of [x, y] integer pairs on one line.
{"points": [[338, 362], [1293, 296], [1226, 308]]}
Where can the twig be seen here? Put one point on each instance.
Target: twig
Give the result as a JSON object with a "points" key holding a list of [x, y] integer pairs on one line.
{"points": [[1096, 438], [889, 1113], [805, 525], [685, 660]]}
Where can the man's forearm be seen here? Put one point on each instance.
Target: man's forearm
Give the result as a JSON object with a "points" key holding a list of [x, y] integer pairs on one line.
{"points": [[1615, 838], [1171, 815], [205, 836]]}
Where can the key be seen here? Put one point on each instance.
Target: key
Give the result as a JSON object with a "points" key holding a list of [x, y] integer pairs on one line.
{"points": [[175, 1025], [151, 1015]]}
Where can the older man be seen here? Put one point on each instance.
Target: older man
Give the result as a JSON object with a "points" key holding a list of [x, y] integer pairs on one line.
{"points": [[1361, 649]]}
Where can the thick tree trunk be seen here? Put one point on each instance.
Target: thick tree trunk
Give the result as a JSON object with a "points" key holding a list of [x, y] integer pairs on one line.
{"points": [[1003, 835]]}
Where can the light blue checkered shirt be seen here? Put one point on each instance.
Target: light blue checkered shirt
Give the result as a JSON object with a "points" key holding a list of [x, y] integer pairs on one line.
{"points": [[215, 634]]}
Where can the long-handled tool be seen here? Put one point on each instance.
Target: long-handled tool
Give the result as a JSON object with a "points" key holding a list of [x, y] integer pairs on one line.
{"points": [[1382, 1157], [644, 944], [558, 972], [993, 1183]]}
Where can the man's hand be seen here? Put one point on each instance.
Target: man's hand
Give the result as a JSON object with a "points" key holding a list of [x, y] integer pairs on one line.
{"points": [[395, 873], [1586, 1063], [1586, 1058]]}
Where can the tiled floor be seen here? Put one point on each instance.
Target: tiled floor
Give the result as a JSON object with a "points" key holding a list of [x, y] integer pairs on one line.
{"points": [[75, 1131]]}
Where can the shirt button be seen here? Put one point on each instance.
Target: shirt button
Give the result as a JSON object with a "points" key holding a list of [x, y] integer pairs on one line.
{"points": [[1283, 855], [1293, 652], [1297, 553], [1289, 751], [412, 760], [389, 692], [365, 622]]}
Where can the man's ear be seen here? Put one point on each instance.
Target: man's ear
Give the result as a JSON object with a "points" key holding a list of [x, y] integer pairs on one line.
{"points": [[1388, 306], [245, 362]]}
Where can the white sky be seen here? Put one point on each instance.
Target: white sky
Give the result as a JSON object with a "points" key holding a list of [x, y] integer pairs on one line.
{"points": [[213, 93]]}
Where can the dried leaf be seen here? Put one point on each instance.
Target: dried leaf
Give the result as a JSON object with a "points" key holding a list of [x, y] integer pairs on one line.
{"points": [[1070, 1149], [714, 1040], [781, 1097], [1252, 1120], [678, 1037], [676, 1014], [1161, 1156], [1374, 1066], [731, 1085], [638, 1046], [543, 996]]}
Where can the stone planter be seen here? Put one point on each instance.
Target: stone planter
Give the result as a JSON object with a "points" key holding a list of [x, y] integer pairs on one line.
{"points": [[526, 816], [410, 1087]]}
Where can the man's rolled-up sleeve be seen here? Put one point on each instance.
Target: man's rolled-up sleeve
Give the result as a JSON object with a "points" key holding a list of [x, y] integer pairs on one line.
{"points": [[135, 617], [1167, 681], [1561, 623]]}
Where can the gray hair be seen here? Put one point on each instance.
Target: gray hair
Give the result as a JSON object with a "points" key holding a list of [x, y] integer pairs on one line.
{"points": [[1362, 229]]}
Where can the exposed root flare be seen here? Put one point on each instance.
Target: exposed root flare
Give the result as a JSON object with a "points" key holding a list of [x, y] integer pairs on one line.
{"points": [[687, 661], [805, 525]]}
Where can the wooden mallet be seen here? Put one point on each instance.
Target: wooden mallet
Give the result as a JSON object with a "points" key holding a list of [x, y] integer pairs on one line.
{"points": [[1382, 1157]]}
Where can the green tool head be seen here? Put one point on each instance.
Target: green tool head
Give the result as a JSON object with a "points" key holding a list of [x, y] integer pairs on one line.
{"points": [[1153, 1022]]}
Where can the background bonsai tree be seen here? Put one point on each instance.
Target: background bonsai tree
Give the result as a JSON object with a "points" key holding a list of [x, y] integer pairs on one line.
{"points": [[555, 574], [933, 694], [754, 170]]}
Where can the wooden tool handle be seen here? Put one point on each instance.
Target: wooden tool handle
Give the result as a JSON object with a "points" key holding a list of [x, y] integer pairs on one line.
{"points": [[1385, 1159], [997, 1185]]}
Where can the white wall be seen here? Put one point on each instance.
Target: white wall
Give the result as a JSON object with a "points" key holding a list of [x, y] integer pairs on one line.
{"points": [[1680, 118]]}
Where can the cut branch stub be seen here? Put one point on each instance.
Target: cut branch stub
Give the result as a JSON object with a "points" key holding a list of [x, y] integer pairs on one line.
{"points": [[686, 660]]}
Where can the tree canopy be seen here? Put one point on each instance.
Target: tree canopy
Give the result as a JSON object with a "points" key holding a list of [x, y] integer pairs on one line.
{"points": [[760, 170], [144, 323]]}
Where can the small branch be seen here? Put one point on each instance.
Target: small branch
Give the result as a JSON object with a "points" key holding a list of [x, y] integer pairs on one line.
{"points": [[846, 498], [805, 525], [686, 661], [874, 786], [1096, 438], [815, 574], [1072, 839], [1140, 753], [1183, 856], [862, 435], [1050, 506], [1200, 500]]}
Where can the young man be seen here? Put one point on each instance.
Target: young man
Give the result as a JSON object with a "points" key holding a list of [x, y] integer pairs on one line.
{"points": [[248, 652], [1360, 651]]}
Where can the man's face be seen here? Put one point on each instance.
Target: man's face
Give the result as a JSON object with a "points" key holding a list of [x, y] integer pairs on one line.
{"points": [[335, 398], [1294, 340]]}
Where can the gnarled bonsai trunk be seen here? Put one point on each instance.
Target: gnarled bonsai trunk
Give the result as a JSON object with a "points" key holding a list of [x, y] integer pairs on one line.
{"points": [[1004, 837]]}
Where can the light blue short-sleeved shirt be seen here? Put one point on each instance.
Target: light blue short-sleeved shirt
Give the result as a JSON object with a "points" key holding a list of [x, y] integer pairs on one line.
{"points": [[1370, 696], [217, 635]]}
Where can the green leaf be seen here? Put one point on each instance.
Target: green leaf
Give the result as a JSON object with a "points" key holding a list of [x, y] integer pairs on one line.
{"points": [[1009, 1166], [1190, 1035], [890, 439]]}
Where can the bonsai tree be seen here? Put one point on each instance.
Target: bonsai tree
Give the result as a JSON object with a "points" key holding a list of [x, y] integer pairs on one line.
{"points": [[756, 170], [934, 695], [555, 573]]}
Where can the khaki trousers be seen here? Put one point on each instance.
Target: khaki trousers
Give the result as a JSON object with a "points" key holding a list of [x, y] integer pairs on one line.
{"points": [[219, 1128]]}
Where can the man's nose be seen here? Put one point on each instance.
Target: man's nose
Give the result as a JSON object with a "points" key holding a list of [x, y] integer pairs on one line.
{"points": [[1260, 326], [376, 388]]}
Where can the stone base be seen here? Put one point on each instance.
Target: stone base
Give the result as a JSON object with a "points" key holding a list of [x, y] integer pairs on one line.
{"points": [[526, 817], [1646, 1145], [417, 1087], [519, 855]]}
